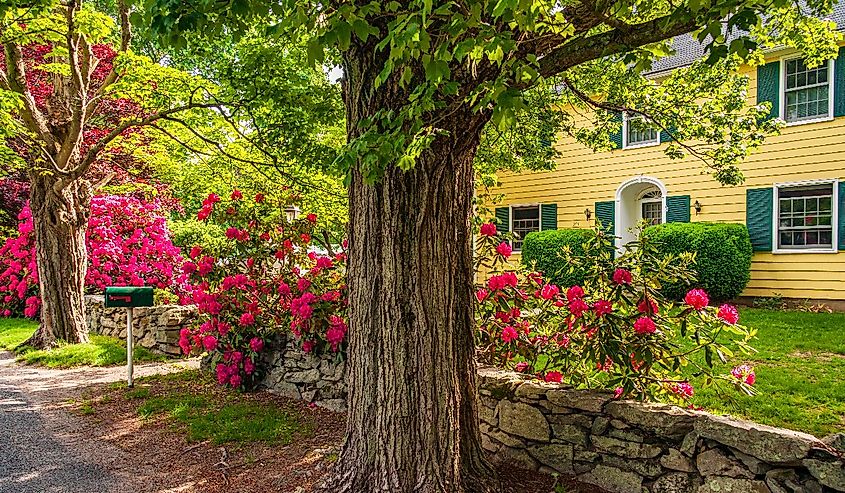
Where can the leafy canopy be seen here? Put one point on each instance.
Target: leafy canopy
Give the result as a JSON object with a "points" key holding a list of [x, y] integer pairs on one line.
{"points": [[440, 55]]}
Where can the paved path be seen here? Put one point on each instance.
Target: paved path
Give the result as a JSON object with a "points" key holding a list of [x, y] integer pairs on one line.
{"points": [[45, 449]]}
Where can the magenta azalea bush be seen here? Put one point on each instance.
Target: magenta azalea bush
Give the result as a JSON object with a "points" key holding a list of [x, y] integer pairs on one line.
{"points": [[269, 276], [616, 331], [128, 245]]}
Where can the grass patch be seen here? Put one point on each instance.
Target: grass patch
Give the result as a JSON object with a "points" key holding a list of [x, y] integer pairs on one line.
{"points": [[799, 365], [218, 416], [100, 351], [13, 331]]}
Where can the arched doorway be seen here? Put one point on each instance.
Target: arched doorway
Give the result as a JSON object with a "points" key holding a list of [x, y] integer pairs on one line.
{"points": [[639, 198]]}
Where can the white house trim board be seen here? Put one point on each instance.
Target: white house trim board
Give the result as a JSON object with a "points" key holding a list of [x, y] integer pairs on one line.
{"points": [[618, 229]]}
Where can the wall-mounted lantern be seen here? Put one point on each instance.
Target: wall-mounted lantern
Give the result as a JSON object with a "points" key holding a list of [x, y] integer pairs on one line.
{"points": [[697, 207], [588, 213]]}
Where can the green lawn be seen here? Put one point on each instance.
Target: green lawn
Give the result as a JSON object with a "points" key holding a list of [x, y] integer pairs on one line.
{"points": [[101, 351], [800, 366]]}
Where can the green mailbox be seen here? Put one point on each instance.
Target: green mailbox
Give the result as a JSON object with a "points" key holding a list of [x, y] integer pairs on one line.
{"points": [[128, 296]]}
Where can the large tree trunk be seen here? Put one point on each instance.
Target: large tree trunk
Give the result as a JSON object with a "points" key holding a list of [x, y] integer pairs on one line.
{"points": [[412, 422], [60, 221]]}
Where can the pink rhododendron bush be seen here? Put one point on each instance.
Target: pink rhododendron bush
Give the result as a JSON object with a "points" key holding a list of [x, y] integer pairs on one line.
{"points": [[128, 245], [616, 331], [269, 276]]}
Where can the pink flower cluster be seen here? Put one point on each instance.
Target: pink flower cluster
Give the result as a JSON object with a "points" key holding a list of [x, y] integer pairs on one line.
{"points": [[128, 244], [268, 276], [745, 374]]}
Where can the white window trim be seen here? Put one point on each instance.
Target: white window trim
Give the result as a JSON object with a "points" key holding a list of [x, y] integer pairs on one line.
{"points": [[782, 92], [834, 219], [625, 145], [511, 207]]}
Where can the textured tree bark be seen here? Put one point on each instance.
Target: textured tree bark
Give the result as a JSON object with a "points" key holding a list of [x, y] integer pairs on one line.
{"points": [[412, 422], [60, 221]]}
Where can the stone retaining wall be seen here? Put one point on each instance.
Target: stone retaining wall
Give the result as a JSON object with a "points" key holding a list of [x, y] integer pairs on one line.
{"points": [[156, 327], [295, 374], [631, 447]]}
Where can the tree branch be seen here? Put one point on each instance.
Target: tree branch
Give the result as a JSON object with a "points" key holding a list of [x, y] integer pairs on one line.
{"points": [[78, 88], [612, 42], [125, 38]]}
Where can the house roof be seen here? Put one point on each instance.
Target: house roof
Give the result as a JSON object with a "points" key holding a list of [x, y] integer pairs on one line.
{"points": [[688, 49]]}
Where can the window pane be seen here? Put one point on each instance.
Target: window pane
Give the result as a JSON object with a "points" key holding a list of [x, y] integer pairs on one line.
{"points": [[525, 220], [804, 216]]}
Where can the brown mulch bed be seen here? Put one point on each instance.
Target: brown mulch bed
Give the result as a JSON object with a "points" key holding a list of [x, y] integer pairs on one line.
{"points": [[168, 461]]}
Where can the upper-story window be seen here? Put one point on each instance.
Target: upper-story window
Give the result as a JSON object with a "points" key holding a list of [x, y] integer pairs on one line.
{"points": [[805, 216], [524, 220], [639, 132], [806, 91]]}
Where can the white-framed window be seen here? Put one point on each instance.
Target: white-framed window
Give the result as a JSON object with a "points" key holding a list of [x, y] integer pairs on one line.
{"points": [[651, 206], [806, 93], [638, 132], [805, 216], [524, 219]]}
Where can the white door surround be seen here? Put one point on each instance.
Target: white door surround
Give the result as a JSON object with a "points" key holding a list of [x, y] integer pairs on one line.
{"points": [[629, 199]]}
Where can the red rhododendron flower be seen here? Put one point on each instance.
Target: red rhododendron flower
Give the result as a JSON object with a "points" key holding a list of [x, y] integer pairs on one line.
{"points": [[574, 292], [259, 198], [644, 325], [236, 194], [195, 252], [683, 390], [602, 307], [504, 249], [647, 306], [549, 291], [481, 294], [622, 276], [249, 366], [488, 229], [521, 367], [697, 298], [256, 344], [307, 346], [303, 284], [617, 393], [235, 380], [502, 280], [578, 306], [312, 218], [509, 334], [744, 373], [554, 377], [305, 237], [209, 342], [728, 314], [246, 319]]}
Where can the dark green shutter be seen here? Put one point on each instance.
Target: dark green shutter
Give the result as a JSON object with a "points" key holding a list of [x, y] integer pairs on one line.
{"points": [[768, 86], [842, 215], [503, 219], [677, 209], [606, 214], [664, 134], [616, 137], [758, 217], [548, 216], [839, 85]]}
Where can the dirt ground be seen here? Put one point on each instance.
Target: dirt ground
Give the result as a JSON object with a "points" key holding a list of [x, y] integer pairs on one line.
{"points": [[98, 422]]}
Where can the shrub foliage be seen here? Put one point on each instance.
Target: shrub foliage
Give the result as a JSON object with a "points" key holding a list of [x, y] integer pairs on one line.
{"points": [[722, 256], [543, 251]]}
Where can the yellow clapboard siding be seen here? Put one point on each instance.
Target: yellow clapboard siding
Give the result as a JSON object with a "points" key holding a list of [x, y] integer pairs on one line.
{"points": [[801, 152]]}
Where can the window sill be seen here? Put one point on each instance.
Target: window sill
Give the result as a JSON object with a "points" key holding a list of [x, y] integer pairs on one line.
{"points": [[643, 144], [805, 122], [786, 251]]}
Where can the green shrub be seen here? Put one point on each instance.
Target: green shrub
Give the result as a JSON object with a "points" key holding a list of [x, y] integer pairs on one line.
{"points": [[187, 233], [722, 255], [544, 250]]}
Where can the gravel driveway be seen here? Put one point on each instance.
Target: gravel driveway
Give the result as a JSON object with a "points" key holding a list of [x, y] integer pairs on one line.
{"points": [[44, 449]]}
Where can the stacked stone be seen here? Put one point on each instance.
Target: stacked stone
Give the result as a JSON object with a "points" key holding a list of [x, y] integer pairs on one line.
{"points": [[155, 328], [633, 447], [320, 379]]}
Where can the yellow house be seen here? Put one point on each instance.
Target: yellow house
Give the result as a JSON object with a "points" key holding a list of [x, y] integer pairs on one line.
{"points": [[793, 199]]}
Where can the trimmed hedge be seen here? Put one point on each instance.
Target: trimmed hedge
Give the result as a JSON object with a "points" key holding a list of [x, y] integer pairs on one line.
{"points": [[544, 249], [722, 255]]}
